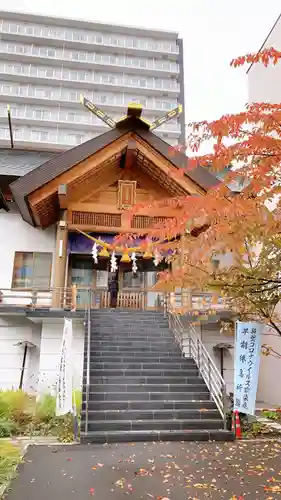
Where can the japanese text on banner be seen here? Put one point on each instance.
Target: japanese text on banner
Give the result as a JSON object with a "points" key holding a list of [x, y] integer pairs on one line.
{"points": [[246, 368], [64, 382]]}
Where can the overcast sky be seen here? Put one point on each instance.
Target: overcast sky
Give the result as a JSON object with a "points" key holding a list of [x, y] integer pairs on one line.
{"points": [[214, 31]]}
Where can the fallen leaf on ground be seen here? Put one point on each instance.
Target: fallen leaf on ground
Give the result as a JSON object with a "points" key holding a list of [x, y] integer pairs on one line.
{"points": [[120, 483]]}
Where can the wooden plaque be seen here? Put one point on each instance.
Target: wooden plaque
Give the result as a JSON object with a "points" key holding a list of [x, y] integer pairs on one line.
{"points": [[126, 194]]}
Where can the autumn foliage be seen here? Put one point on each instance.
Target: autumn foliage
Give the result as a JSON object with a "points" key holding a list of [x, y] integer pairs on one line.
{"points": [[234, 219]]}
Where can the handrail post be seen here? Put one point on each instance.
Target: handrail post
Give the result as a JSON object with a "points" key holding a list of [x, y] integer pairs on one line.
{"points": [[73, 297], [206, 366], [34, 299], [210, 377], [88, 358], [224, 402], [198, 354]]}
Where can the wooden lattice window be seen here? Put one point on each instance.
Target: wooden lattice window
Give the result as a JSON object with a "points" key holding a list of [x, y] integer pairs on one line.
{"points": [[144, 221], [96, 219], [126, 194]]}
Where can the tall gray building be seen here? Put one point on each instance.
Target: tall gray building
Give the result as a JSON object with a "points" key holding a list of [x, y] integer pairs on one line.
{"points": [[47, 62]]}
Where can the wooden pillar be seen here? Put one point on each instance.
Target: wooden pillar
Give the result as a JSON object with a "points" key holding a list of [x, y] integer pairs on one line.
{"points": [[60, 265]]}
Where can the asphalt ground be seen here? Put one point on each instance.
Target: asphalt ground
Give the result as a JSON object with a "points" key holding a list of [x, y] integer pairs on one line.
{"points": [[159, 471]]}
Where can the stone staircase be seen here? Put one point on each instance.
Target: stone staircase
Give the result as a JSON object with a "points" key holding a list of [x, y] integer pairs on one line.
{"points": [[141, 386]]}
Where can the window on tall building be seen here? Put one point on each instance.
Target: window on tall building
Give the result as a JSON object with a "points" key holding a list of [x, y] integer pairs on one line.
{"points": [[32, 270], [51, 52]]}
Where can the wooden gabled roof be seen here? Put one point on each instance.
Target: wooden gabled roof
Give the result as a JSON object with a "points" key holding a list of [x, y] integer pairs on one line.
{"points": [[60, 164]]}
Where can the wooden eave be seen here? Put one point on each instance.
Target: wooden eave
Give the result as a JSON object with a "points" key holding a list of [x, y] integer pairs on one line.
{"points": [[77, 166]]}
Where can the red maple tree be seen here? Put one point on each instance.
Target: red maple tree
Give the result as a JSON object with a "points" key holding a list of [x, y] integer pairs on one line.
{"points": [[234, 218]]}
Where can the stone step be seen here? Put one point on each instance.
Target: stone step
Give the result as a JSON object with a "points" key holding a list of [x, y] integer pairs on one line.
{"points": [[142, 387], [151, 436], [125, 324], [137, 360], [127, 312], [139, 347], [129, 320], [133, 316], [150, 405], [185, 364], [164, 372], [148, 388], [153, 425], [142, 355], [128, 326], [144, 381], [135, 337], [149, 396], [153, 415], [136, 344], [134, 327]]}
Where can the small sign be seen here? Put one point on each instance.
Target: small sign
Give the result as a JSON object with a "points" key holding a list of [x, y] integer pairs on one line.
{"points": [[246, 368]]}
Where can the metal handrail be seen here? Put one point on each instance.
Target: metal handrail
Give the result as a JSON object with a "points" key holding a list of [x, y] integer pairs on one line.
{"points": [[186, 337], [88, 323]]}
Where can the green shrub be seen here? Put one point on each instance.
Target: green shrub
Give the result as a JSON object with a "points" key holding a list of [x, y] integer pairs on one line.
{"points": [[77, 395], [8, 428], [271, 415], [65, 428], [22, 414], [45, 408], [13, 401]]}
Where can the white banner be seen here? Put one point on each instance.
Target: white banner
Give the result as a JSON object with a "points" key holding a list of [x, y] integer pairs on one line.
{"points": [[64, 384], [246, 368]]}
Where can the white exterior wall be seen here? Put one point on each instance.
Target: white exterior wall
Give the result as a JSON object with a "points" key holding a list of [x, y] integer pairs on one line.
{"points": [[18, 236], [210, 336], [264, 84], [269, 388], [13, 330], [42, 361], [51, 339]]}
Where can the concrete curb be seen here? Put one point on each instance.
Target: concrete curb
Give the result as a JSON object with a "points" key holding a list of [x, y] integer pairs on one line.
{"points": [[269, 423], [4, 487]]}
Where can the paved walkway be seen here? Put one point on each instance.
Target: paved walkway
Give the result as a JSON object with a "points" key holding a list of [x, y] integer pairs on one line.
{"points": [[174, 471]]}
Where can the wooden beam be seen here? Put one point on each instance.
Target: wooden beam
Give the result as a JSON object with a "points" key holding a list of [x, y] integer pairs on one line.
{"points": [[102, 229], [130, 154], [167, 168], [62, 194], [80, 169], [60, 260]]}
